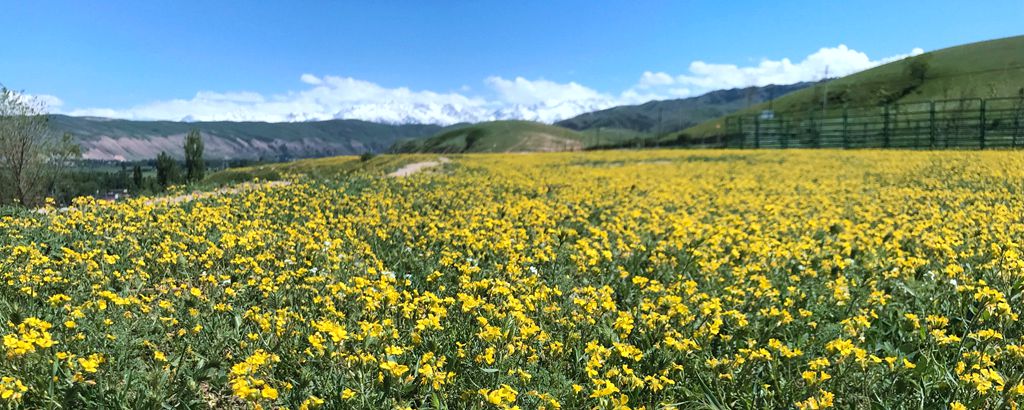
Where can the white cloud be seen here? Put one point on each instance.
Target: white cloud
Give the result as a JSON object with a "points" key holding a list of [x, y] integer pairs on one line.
{"points": [[526, 92], [330, 97], [310, 79], [703, 77], [649, 79]]}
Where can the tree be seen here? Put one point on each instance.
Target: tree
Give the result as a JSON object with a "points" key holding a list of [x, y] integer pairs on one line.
{"points": [[137, 177], [195, 168], [166, 170], [31, 157], [917, 70], [473, 137]]}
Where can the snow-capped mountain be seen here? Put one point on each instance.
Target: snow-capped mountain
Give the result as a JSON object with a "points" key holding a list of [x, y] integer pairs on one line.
{"points": [[447, 114]]}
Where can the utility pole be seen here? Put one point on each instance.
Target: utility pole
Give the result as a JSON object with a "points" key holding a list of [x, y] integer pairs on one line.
{"points": [[679, 126], [824, 98], [660, 127]]}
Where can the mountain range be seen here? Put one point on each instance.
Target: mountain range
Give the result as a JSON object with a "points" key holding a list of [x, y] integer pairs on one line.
{"points": [[424, 113], [659, 117], [124, 140], [384, 125]]}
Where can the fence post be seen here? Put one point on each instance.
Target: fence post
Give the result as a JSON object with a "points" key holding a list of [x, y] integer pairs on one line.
{"points": [[894, 124], [846, 139], [982, 123], [822, 126], [864, 137], [917, 134], [885, 127], [817, 129], [1016, 130], [785, 133], [931, 125], [811, 129], [757, 132], [956, 123], [743, 135]]}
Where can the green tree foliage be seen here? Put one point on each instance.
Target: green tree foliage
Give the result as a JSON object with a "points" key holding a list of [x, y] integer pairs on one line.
{"points": [[195, 168], [914, 75], [473, 137], [167, 172], [137, 177], [31, 157], [917, 70], [78, 181]]}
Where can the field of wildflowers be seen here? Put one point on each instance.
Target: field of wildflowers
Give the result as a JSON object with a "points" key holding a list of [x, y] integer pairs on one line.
{"points": [[625, 280]]}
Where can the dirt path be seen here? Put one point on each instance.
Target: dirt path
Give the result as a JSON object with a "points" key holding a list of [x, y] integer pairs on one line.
{"points": [[417, 167]]}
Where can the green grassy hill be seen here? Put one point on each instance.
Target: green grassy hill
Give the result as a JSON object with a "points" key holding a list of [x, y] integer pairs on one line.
{"points": [[986, 69], [109, 139], [659, 117], [502, 136]]}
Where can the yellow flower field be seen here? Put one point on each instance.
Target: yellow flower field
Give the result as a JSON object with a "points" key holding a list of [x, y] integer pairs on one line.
{"points": [[625, 280]]}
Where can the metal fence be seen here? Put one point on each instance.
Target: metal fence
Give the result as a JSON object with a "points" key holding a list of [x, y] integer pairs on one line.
{"points": [[955, 124]]}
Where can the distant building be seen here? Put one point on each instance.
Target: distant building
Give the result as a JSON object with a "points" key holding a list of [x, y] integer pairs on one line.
{"points": [[115, 195], [767, 115]]}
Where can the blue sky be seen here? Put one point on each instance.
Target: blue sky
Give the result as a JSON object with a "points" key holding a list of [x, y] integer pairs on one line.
{"points": [[127, 58]]}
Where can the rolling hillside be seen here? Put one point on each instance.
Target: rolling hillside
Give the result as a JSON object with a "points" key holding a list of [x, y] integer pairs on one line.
{"points": [[108, 139], [498, 136], [680, 113], [986, 69]]}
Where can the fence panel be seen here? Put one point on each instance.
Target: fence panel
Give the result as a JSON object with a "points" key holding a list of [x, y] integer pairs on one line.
{"points": [[968, 123]]}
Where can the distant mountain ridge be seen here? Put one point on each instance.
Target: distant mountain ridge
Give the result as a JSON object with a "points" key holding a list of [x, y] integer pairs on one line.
{"points": [[680, 113], [497, 136], [125, 140]]}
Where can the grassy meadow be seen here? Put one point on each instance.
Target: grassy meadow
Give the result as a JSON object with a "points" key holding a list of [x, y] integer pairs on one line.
{"points": [[609, 280]]}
